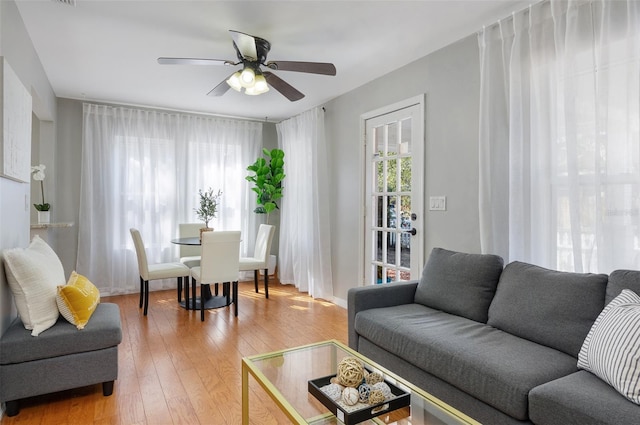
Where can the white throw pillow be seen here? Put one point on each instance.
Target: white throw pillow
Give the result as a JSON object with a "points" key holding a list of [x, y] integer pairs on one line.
{"points": [[611, 350], [34, 274]]}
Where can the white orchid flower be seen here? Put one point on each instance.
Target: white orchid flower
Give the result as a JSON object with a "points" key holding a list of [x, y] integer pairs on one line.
{"points": [[38, 172], [38, 175]]}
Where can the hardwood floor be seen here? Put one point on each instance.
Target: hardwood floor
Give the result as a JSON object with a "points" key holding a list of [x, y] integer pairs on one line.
{"points": [[175, 369]]}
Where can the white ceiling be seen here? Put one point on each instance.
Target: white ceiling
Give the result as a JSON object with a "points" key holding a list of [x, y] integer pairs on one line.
{"points": [[106, 50]]}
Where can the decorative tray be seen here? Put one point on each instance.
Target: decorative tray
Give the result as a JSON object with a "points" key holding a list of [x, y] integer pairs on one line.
{"points": [[359, 412]]}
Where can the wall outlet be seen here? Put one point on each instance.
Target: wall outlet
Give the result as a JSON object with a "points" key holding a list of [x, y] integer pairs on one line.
{"points": [[437, 203]]}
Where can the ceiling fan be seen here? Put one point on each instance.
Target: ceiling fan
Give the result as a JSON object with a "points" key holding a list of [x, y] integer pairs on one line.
{"points": [[252, 55]]}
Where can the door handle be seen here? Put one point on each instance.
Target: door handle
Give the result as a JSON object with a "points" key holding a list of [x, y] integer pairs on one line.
{"points": [[412, 231]]}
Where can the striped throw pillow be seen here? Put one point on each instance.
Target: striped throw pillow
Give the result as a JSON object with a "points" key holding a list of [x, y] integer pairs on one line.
{"points": [[611, 349]]}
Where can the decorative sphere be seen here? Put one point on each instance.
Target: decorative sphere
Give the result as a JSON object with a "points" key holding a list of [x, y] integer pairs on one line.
{"points": [[350, 396], [384, 388], [350, 372], [364, 391], [333, 391], [376, 397], [373, 378]]}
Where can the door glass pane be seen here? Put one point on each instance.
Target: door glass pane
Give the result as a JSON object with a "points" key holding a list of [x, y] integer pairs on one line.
{"points": [[392, 139], [391, 175], [405, 174], [405, 136], [378, 246], [391, 212], [378, 178], [391, 248], [378, 274], [405, 212], [405, 250], [379, 141], [406, 225], [378, 207]]}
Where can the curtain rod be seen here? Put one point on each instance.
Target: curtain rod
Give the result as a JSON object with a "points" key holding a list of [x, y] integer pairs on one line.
{"points": [[159, 108], [510, 16]]}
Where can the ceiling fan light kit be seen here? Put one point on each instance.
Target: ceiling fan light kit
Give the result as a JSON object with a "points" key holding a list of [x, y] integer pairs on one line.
{"points": [[251, 81], [234, 81], [252, 54], [260, 86], [247, 77]]}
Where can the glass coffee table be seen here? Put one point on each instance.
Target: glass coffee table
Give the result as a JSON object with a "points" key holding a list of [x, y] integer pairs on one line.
{"points": [[284, 375]]}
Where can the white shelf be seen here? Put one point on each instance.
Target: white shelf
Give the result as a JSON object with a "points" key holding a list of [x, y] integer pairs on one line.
{"points": [[50, 225]]}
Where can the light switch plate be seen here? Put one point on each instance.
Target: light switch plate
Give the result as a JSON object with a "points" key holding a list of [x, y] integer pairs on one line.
{"points": [[437, 203]]}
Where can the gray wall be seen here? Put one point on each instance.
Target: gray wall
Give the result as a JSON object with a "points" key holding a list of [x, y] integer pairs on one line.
{"points": [[15, 202], [450, 79]]}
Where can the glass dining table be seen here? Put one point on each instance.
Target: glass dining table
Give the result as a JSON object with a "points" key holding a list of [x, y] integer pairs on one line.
{"points": [[187, 241], [211, 300]]}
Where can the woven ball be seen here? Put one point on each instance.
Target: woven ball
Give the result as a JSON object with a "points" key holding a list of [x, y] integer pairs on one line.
{"points": [[336, 381], [333, 391], [350, 372], [364, 391], [373, 378], [384, 388], [350, 396], [376, 396]]}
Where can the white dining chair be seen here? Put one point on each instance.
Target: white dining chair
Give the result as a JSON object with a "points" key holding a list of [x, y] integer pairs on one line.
{"points": [[155, 271], [219, 264], [260, 259], [189, 254]]}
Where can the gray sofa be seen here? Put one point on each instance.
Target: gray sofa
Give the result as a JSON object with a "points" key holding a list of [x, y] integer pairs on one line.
{"points": [[60, 358], [498, 343]]}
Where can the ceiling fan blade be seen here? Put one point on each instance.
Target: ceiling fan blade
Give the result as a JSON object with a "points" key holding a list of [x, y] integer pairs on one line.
{"points": [[310, 67], [282, 86], [193, 61], [220, 89], [246, 44]]}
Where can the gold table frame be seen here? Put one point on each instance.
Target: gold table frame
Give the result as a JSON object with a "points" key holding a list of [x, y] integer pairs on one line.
{"points": [[251, 366]]}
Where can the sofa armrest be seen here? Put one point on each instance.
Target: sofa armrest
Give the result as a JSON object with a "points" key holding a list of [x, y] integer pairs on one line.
{"points": [[377, 296]]}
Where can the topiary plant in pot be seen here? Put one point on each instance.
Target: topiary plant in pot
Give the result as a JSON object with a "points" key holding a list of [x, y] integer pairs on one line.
{"points": [[267, 178], [208, 207]]}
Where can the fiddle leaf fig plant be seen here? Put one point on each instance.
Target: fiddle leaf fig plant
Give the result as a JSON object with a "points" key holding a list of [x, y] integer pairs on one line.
{"points": [[267, 175]]}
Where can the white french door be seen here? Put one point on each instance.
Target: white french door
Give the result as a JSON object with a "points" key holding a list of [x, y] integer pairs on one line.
{"points": [[394, 201]]}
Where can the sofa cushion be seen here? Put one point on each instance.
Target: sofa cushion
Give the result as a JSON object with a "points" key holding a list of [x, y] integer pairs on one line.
{"points": [[459, 283], [77, 300], [549, 307], [611, 350], [491, 365], [102, 331], [33, 275], [578, 399], [622, 279]]}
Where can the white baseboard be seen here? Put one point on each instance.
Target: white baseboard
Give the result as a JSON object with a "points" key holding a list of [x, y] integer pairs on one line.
{"points": [[340, 302]]}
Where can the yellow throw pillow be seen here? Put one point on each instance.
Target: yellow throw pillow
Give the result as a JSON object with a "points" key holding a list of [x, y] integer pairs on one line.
{"points": [[77, 300]]}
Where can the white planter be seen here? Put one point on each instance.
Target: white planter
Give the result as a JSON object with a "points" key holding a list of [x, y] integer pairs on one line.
{"points": [[273, 260], [44, 217]]}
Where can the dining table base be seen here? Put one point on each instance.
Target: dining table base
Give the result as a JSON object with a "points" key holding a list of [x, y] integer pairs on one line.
{"points": [[211, 301]]}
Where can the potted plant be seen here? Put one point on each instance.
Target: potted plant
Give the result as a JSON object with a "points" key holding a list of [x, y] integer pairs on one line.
{"points": [[267, 178], [43, 209], [208, 207]]}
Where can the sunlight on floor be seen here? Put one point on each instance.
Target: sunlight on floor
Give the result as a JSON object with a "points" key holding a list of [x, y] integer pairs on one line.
{"points": [[299, 307]]}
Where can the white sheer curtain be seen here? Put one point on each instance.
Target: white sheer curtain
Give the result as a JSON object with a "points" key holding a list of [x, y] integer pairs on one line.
{"points": [[305, 257], [143, 169], [559, 136]]}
